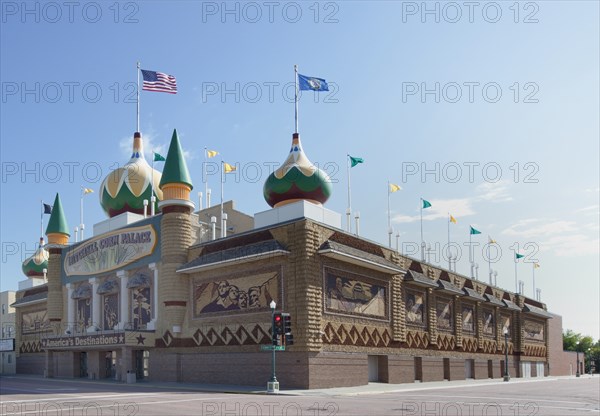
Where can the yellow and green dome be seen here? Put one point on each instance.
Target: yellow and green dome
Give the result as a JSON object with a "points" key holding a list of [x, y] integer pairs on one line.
{"points": [[34, 266], [125, 188], [297, 179]]}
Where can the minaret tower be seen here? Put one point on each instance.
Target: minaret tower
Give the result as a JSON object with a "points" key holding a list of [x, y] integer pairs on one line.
{"points": [[176, 238], [58, 237]]}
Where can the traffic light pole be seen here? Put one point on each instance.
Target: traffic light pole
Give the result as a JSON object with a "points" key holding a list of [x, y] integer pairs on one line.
{"points": [[273, 384], [273, 377]]}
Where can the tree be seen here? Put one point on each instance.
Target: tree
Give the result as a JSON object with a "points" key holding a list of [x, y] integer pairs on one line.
{"points": [[586, 346]]}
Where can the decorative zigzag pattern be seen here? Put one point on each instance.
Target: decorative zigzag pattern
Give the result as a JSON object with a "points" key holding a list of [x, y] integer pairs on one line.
{"points": [[510, 348], [446, 342], [535, 350], [469, 345], [232, 335], [28, 347], [489, 346], [356, 336], [417, 339]]}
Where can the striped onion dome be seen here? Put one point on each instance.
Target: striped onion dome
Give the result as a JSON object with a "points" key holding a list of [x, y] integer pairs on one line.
{"points": [[34, 266], [297, 179], [125, 188]]}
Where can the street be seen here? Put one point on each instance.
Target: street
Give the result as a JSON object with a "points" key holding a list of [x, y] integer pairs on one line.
{"points": [[26, 395]]}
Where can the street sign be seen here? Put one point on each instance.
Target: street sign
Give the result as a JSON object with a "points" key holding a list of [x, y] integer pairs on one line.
{"points": [[272, 347]]}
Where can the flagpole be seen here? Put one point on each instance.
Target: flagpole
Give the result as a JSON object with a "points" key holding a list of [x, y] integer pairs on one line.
{"points": [[81, 216], [204, 174], [152, 187], [138, 98], [42, 219], [389, 217], [422, 241], [349, 210], [516, 281], [533, 272], [222, 180], [448, 251], [470, 245], [296, 98]]}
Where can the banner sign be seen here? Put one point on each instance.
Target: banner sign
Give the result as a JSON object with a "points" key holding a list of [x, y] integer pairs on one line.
{"points": [[84, 341], [7, 344], [110, 251]]}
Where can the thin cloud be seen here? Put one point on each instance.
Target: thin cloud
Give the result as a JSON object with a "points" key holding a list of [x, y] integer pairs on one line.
{"points": [[458, 208], [494, 191]]}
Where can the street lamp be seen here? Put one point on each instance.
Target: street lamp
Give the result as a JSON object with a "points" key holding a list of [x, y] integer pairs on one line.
{"points": [[577, 373], [506, 375], [273, 384], [590, 359]]}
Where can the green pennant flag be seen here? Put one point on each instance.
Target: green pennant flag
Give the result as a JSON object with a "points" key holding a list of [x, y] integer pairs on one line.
{"points": [[355, 161], [519, 256], [426, 203], [474, 231], [158, 157]]}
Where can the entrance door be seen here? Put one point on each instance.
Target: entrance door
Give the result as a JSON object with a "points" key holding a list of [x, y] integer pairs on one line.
{"points": [[469, 373], [141, 358], [526, 369], [373, 362], [83, 365]]}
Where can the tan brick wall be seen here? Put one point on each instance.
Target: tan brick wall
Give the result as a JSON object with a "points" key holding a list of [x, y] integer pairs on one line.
{"points": [[55, 288]]}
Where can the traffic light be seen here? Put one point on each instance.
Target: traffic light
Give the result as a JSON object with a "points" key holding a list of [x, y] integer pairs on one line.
{"points": [[278, 323], [287, 329]]}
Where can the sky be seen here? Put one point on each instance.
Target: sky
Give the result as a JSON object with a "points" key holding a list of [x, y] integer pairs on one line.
{"points": [[488, 110]]}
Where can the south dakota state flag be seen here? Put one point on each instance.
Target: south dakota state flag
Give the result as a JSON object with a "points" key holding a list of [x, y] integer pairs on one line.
{"points": [[312, 83]]}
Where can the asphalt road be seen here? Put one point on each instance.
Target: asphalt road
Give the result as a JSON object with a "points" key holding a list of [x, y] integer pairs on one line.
{"points": [[562, 396]]}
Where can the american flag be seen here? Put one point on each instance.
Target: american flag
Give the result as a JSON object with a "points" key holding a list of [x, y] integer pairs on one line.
{"points": [[157, 81]]}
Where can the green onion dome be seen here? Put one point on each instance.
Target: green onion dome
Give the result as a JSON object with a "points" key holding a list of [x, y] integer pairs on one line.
{"points": [[34, 266], [125, 188], [297, 179]]}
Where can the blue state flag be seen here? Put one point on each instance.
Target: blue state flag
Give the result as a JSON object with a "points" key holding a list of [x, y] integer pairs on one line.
{"points": [[312, 83]]}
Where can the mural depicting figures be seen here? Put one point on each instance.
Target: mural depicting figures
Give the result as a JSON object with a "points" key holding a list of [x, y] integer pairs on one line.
{"points": [[84, 314], [533, 330], [468, 318], [444, 315], [35, 322], [415, 308], [141, 310], [489, 323], [111, 311], [354, 294], [249, 294]]}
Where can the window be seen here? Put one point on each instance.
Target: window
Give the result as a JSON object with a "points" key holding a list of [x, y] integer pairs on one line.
{"points": [[9, 359], [3, 308]]}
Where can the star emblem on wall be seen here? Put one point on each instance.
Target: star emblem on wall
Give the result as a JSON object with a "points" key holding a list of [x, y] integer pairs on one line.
{"points": [[140, 339]]}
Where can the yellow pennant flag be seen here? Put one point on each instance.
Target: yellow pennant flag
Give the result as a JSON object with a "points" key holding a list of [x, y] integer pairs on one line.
{"points": [[227, 168], [536, 265], [211, 153], [452, 219], [491, 240], [87, 190], [394, 188]]}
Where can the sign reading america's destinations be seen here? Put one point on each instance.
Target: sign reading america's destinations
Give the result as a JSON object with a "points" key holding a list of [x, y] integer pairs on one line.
{"points": [[111, 251], [83, 341]]}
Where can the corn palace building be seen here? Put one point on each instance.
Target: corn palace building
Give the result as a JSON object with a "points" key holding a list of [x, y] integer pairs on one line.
{"points": [[163, 297]]}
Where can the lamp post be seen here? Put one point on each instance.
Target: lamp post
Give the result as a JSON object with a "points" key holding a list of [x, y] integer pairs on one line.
{"points": [[506, 375], [590, 359], [273, 384], [577, 373]]}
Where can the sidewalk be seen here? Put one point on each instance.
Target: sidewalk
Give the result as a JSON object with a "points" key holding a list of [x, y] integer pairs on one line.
{"points": [[371, 388]]}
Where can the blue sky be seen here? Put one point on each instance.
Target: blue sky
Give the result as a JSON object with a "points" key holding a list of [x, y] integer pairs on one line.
{"points": [[491, 114]]}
